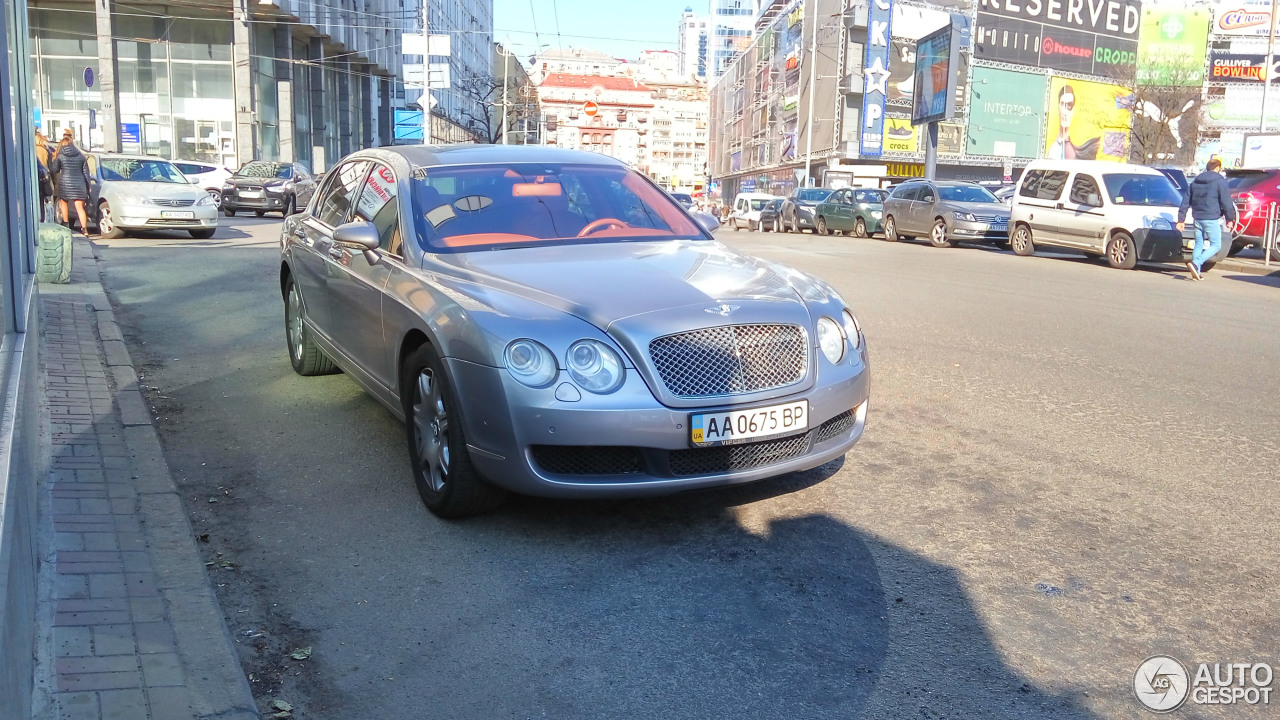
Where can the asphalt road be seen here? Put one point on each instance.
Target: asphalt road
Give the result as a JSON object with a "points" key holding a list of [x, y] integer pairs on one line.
{"points": [[1067, 469]]}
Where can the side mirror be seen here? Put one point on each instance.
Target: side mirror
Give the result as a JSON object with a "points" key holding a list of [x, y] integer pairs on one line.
{"points": [[1093, 200], [709, 222], [359, 235]]}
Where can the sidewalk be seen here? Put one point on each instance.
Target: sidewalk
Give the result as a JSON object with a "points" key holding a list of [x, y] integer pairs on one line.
{"points": [[128, 624], [1248, 262]]}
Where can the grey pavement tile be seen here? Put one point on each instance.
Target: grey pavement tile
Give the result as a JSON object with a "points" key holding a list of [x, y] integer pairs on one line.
{"points": [[86, 450], [73, 556], [90, 605], [141, 584], [136, 562], [154, 637], [127, 523], [169, 703], [88, 568], [123, 506], [77, 705], [72, 586], [131, 541], [65, 506], [70, 641], [68, 540], [108, 617], [147, 609], [100, 681], [77, 494], [124, 705], [107, 586], [117, 490], [113, 639], [100, 541], [161, 669], [95, 506], [90, 475], [104, 664], [120, 463]]}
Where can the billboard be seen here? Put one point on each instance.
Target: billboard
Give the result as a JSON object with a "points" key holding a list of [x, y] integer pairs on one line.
{"points": [[875, 72], [950, 138], [1227, 67], [1240, 106], [1087, 121], [900, 136], [1262, 150], [1171, 46], [1006, 113], [1242, 19], [937, 59], [1099, 37]]}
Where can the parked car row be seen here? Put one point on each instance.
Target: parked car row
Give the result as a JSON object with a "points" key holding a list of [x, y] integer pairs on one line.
{"points": [[1124, 213]]}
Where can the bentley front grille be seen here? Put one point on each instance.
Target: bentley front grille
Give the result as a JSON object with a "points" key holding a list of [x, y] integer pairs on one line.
{"points": [[731, 359]]}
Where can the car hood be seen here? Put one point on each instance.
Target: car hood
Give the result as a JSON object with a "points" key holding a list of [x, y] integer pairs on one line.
{"points": [[980, 208], [608, 283], [153, 190]]}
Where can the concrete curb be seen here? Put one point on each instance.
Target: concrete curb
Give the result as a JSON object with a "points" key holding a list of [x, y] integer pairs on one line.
{"points": [[1247, 267], [202, 679]]}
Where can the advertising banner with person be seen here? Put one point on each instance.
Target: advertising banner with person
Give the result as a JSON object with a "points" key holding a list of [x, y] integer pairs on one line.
{"points": [[1171, 46], [1099, 37], [1087, 120], [1006, 113], [950, 138]]}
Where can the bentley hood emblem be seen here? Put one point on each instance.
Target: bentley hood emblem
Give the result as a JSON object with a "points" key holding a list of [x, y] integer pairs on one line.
{"points": [[725, 310]]}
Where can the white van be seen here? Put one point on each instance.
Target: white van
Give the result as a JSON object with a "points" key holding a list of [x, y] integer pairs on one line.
{"points": [[746, 209], [1124, 212]]}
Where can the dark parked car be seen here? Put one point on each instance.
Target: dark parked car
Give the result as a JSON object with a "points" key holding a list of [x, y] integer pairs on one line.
{"points": [[770, 220], [1254, 192], [265, 187], [549, 322], [798, 209], [857, 211]]}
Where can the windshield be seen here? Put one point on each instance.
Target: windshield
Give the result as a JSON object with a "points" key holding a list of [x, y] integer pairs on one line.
{"points": [[758, 204], [966, 194], [815, 195], [872, 197], [1134, 189], [1242, 180], [683, 198], [481, 207], [266, 170], [131, 170]]}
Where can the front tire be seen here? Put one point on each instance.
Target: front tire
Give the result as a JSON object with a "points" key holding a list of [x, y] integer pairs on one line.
{"points": [[1021, 243], [447, 482], [229, 211], [217, 197], [860, 228], [201, 234], [307, 359], [259, 213], [938, 236], [107, 223], [1121, 253], [290, 207], [822, 226], [890, 229]]}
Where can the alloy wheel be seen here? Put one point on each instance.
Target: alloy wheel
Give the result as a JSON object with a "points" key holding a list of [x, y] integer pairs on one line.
{"points": [[431, 428], [1119, 252], [106, 225], [939, 234], [217, 198], [860, 228], [295, 322]]}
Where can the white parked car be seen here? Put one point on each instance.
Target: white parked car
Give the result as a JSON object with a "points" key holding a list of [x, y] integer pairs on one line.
{"points": [[746, 209], [135, 192], [1127, 213], [208, 177]]}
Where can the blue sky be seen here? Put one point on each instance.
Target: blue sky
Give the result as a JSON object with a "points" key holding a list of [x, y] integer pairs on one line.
{"points": [[621, 28]]}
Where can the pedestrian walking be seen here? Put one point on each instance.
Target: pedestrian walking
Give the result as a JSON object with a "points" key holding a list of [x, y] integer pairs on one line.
{"points": [[1209, 201], [72, 167], [46, 180]]}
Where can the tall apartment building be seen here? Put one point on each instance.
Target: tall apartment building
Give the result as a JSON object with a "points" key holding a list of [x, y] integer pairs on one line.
{"points": [[693, 41], [732, 24]]}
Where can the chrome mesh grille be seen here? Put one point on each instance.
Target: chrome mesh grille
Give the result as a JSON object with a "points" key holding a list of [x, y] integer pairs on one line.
{"points": [[731, 359], [747, 456], [175, 203]]}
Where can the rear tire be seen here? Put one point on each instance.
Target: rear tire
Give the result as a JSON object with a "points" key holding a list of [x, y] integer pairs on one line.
{"points": [[447, 482], [229, 211], [290, 207], [822, 226], [1121, 253], [1021, 242], [307, 359]]}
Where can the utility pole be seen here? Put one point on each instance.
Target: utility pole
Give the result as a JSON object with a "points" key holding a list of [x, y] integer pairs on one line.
{"points": [[1271, 56], [813, 91], [425, 100], [506, 80]]}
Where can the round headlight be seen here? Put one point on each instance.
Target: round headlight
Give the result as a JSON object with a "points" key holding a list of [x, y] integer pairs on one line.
{"points": [[595, 367], [530, 362], [830, 339], [852, 329]]}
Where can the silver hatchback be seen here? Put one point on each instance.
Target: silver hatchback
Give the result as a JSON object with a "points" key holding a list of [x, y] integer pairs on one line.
{"points": [[550, 322], [945, 212]]}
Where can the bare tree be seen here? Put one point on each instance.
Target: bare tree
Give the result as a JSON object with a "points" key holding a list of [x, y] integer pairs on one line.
{"points": [[1166, 105], [482, 115]]}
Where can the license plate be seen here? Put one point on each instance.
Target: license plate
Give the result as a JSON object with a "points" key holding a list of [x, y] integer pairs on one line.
{"points": [[250, 193], [177, 215], [737, 426], [1000, 224]]}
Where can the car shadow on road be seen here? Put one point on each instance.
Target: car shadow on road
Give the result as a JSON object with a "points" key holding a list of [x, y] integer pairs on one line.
{"points": [[786, 617]]}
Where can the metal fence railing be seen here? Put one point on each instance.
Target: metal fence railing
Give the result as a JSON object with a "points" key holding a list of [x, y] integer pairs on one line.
{"points": [[1270, 237]]}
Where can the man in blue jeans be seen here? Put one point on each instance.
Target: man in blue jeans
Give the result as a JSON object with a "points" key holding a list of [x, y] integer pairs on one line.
{"points": [[1209, 201]]}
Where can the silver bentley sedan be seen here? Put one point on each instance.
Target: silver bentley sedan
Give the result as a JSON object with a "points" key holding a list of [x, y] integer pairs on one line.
{"points": [[550, 322]]}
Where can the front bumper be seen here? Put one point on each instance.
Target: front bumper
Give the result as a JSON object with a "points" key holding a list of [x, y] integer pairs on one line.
{"points": [[963, 230], [804, 217], [1164, 245], [151, 217], [626, 444], [268, 200]]}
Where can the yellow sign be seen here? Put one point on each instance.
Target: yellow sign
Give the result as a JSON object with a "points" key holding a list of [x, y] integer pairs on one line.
{"points": [[1088, 121], [899, 135], [907, 170]]}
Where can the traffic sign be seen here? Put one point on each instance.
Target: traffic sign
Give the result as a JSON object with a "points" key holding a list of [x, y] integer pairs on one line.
{"points": [[590, 108]]}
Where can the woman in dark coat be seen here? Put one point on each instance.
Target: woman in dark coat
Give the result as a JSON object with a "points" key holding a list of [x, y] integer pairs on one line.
{"points": [[72, 168]]}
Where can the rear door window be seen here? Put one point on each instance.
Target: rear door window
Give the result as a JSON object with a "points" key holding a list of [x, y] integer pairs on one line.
{"points": [[904, 192], [1081, 190], [1043, 184]]}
